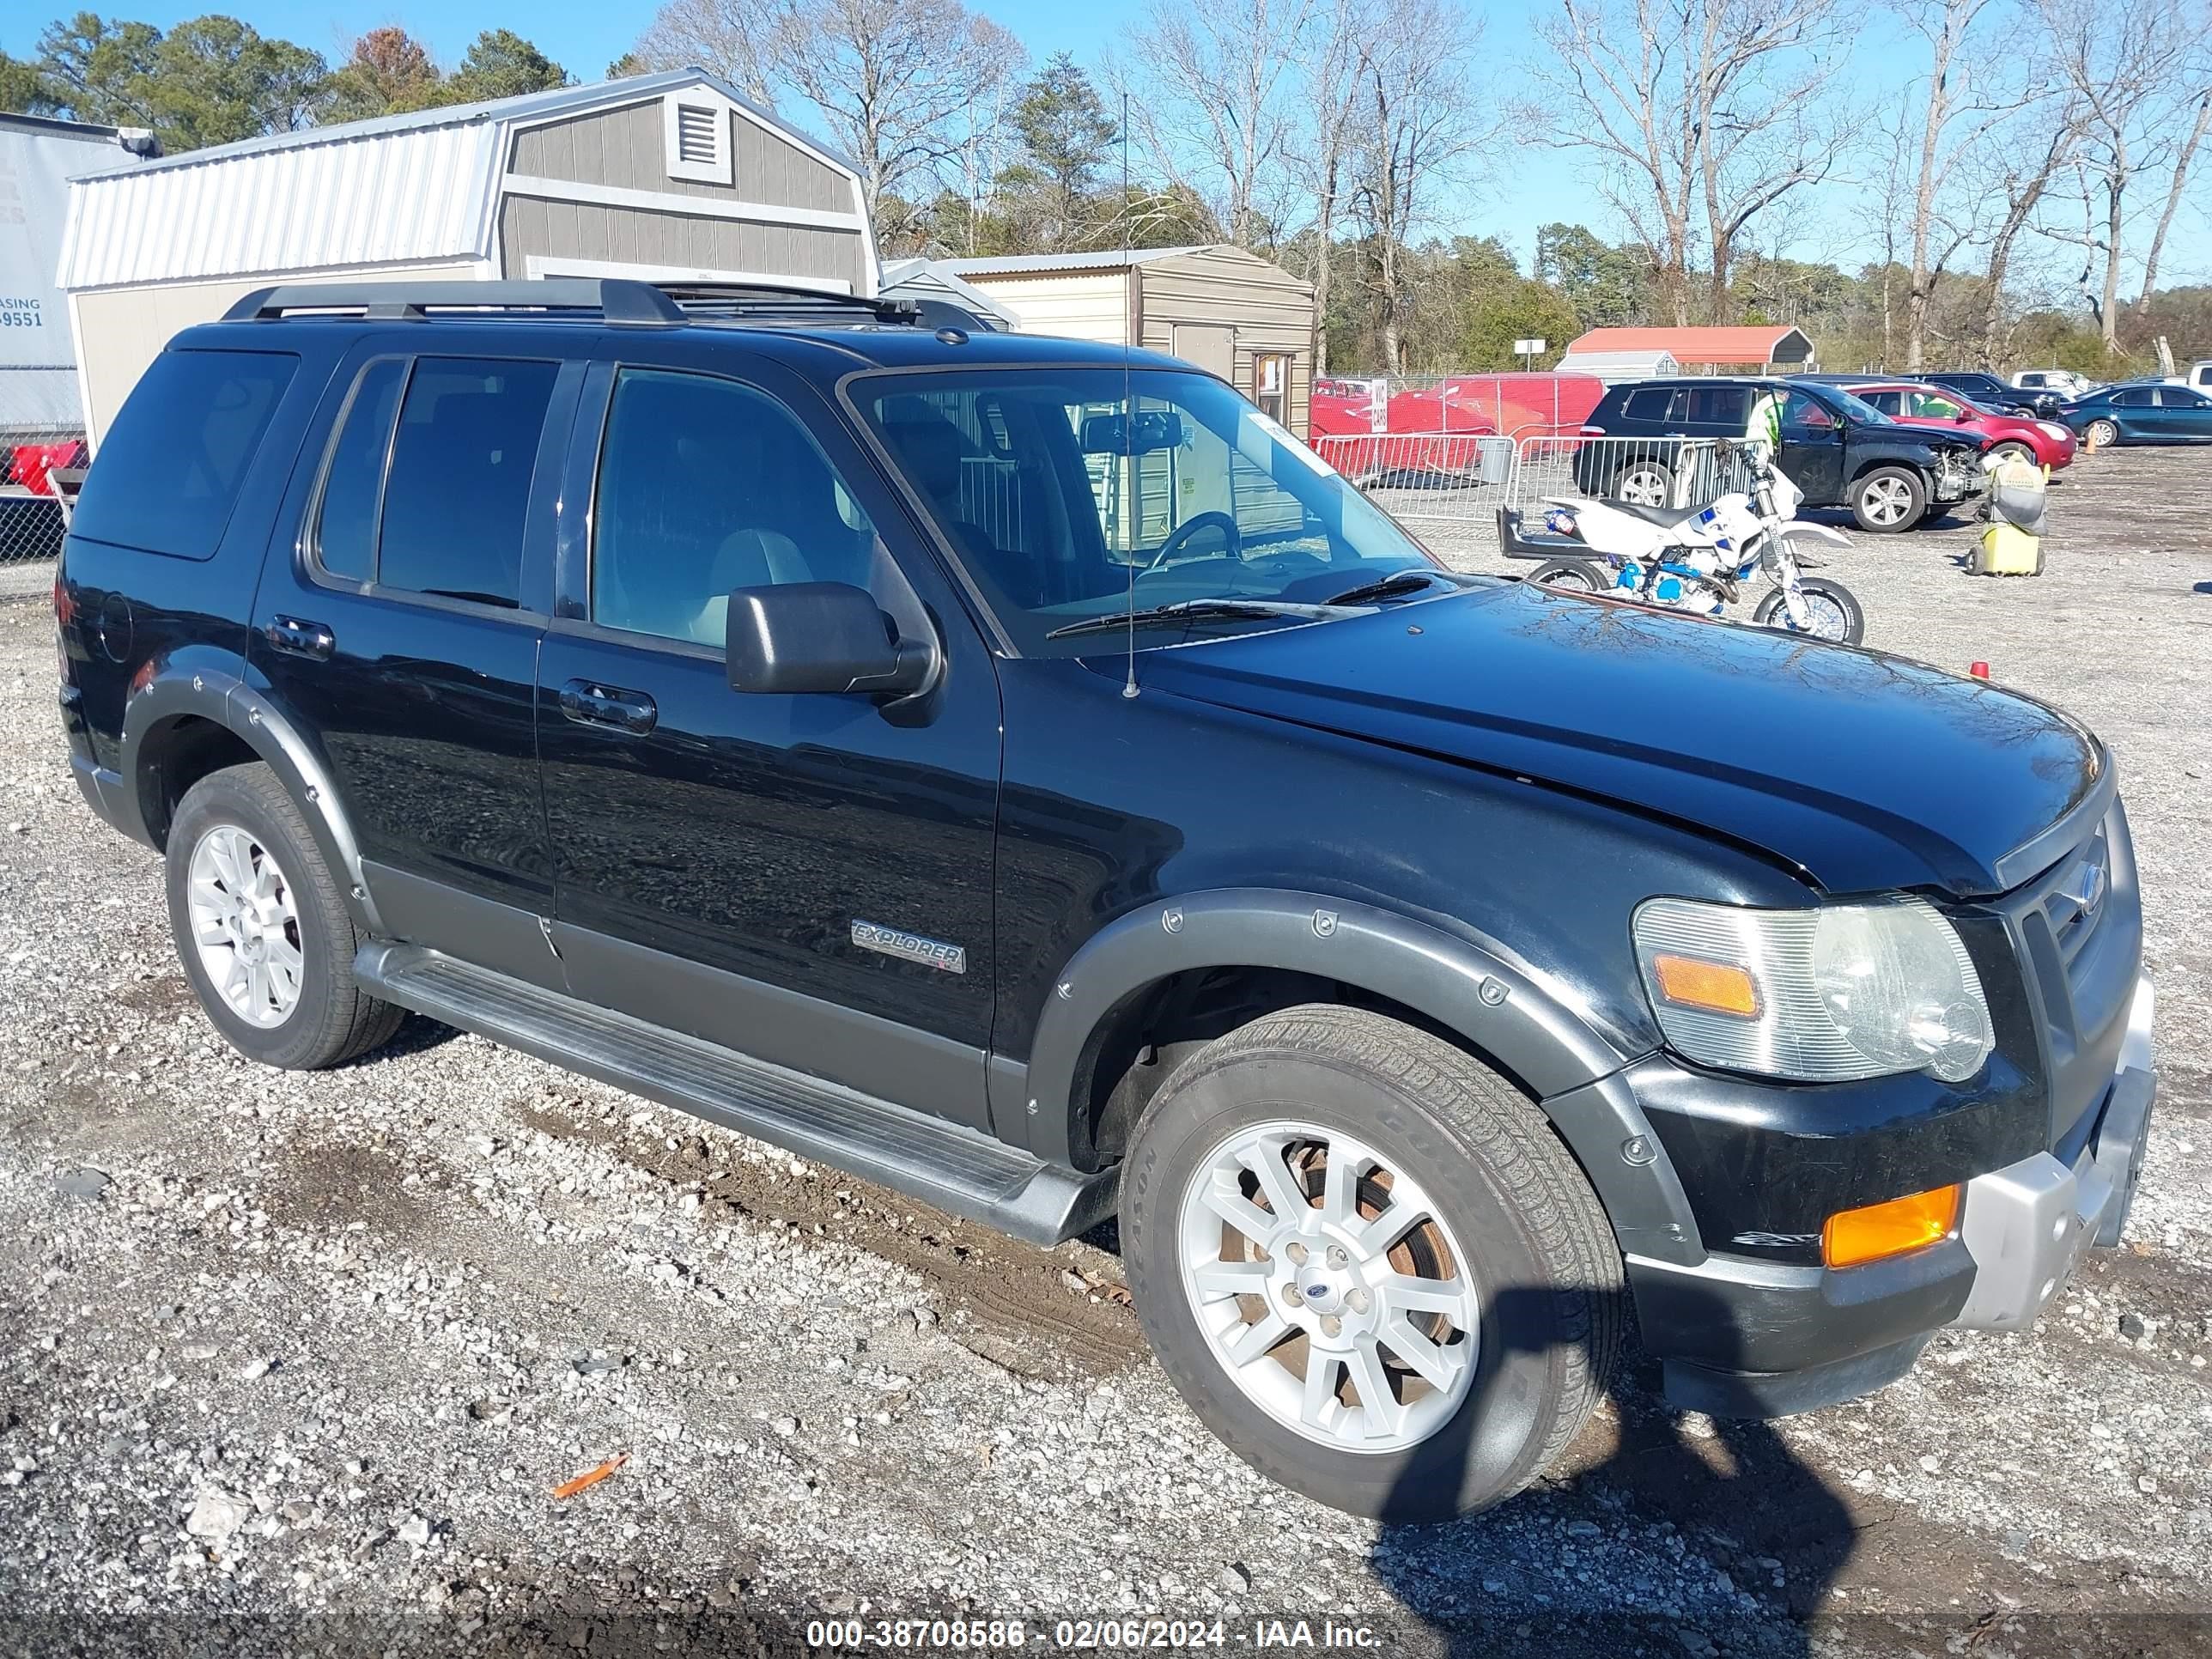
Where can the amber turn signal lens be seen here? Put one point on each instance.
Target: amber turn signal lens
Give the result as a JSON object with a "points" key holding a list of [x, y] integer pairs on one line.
{"points": [[1720, 988], [1880, 1230]]}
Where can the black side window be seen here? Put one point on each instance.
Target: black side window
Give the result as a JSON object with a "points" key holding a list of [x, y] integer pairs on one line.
{"points": [[1649, 403], [1799, 411], [2135, 397], [170, 469], [458, 486], [705, 486], [346, 523], [1889, 403], [1719, 405]]}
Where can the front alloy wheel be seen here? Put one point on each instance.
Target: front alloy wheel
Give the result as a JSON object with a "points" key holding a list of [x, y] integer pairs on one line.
{"points": [[1328, 1285]]}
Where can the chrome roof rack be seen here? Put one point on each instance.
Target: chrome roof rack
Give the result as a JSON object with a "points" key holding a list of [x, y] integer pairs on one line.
{"points": [[619, 300]]}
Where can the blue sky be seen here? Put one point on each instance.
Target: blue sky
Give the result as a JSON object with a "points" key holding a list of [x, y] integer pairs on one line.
{"points": [[1528, 187]]}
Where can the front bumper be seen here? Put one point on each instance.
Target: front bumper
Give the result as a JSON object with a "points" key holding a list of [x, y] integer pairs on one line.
{"points": [[2027, 1225], [1744, 1337]]}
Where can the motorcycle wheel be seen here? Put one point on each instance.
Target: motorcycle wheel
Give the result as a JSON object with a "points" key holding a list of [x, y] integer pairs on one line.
{"points": [[1832, 612], [1569, 576]]}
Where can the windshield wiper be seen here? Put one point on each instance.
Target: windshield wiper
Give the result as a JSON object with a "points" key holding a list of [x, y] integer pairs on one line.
{"points": [[1397, 585], [1185, 608]]}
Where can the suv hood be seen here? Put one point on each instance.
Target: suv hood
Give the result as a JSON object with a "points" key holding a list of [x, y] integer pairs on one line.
{"points": [[1866, 772]]}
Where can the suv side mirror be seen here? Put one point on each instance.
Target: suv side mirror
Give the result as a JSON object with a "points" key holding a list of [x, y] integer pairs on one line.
{"points": [[794, 638]]}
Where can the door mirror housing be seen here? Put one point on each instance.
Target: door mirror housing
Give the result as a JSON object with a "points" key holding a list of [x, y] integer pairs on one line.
{"points": [[831, 638]]}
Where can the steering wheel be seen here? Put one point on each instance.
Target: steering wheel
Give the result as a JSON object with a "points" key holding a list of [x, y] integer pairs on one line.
{"points": [[1183, 532]]}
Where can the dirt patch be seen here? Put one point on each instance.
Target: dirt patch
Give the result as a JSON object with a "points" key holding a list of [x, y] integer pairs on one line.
{"points": [[163, 997], [1023, 1312], [332, 1184]]}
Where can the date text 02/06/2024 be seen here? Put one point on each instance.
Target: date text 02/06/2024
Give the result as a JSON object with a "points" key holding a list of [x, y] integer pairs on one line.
{"points": [[1082, 1635]]}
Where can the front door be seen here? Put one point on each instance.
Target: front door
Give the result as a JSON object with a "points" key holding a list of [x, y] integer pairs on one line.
{"points": [[404, 633], [1811, 449], [774, 873]]}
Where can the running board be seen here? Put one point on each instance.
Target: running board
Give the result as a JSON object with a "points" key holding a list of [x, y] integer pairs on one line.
{"points": [[956, 1170]]}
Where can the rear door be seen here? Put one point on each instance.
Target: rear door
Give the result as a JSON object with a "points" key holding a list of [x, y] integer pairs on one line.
{"points": [[2134, 410], [2184, 414], [403, 630]]}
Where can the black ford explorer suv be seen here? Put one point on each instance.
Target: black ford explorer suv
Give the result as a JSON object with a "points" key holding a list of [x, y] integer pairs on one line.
{"points": [[1021, 773], [1837, 450]]}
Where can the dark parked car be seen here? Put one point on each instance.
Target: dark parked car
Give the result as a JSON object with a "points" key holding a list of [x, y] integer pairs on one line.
{"points": [[1987, 391], [2141, 412], [1018, 771], [1838, 451]]}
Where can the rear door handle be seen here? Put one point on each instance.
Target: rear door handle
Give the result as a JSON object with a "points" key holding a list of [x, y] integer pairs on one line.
{"points": [[589, 704], [296, 638]]}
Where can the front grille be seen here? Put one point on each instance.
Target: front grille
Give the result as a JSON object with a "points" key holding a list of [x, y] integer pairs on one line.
{"points": [[2077, 929]]}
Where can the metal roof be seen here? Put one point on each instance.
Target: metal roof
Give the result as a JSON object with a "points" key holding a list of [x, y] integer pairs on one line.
{"points": [[1617, 365], [1024, 265], [927, 277], [400, 190], [1766, 343]]}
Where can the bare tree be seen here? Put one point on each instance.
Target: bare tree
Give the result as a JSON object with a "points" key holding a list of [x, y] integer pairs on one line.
{"points": [[1700, 109], [2187, 153], [2017, 168], [2122, 59], [1417, 118], [1955, 102], [1334, 55], [887, 80], [1210, 102]]}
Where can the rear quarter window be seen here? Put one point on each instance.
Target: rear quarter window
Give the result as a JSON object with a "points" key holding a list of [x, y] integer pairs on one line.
{"points": [[1649, 403], [171, 468]]}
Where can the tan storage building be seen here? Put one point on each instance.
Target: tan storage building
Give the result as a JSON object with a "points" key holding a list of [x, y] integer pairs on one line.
{"points": [[1220, 308], [668, 177]]}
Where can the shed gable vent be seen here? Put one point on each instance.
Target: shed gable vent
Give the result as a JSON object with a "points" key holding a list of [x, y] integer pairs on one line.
{"points": [[695, 135], [696, 126]]}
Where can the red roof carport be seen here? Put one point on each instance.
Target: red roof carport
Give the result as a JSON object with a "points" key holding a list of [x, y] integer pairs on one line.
{"points": [[1716, 348]]}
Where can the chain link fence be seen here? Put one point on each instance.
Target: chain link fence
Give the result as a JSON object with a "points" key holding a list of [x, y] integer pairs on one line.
{"points": [[33, 514]]}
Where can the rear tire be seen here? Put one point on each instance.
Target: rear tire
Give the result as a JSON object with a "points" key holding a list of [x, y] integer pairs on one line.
{"points": [[1888, 499], [1569, 576], [2102, 435], [1828, 600], [261, 928], [1517, 1243], [1643, 483]]}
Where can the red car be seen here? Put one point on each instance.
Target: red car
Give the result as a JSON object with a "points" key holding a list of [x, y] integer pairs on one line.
{"points": [[2044, 442]]}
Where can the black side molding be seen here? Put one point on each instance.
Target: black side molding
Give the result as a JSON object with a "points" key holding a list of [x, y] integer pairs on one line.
{"points": [[927, 1158]]}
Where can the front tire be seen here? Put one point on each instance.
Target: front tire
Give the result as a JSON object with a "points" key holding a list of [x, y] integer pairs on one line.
{"points": [[1368, 1265], [1889, 499], [2013, 451], [1569, 576], [261, 929], [1835, 613]]}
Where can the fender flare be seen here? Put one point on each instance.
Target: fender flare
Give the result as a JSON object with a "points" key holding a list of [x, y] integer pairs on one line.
{"points": [[214, 694], [1499, 1005]]}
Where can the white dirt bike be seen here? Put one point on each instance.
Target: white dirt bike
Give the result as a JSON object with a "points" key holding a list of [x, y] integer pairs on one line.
{"points": [[1698, 559]]}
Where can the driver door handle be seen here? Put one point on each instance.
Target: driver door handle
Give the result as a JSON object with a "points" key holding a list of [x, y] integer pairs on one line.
{"points": [[587, 702]]}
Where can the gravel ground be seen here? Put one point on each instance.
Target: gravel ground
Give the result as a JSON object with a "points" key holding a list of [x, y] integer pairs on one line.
{"points": [[292, 1363]]}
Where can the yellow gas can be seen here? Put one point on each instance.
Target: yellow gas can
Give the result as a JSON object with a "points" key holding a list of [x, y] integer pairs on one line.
{"points": [[2007, 551]]}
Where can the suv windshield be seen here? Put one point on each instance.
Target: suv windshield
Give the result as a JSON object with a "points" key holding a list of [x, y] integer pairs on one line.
{"points": [[1056, 497]]}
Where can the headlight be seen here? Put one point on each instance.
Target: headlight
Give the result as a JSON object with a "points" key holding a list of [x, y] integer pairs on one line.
{"points": [[1821, 995], [2052, 429]]}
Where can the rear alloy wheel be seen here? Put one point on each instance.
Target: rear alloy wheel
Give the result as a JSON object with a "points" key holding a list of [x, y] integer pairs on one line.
{"points": [[1888, 499], [262, 929], [2102, 435], [1643, 483], [1368, 1265], [1569, 576]]}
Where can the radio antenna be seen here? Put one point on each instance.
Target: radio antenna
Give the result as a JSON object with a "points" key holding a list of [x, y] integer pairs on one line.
{"points": [[1131, 488]]}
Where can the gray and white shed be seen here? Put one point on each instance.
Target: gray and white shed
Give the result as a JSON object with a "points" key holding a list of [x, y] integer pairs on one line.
{"points": [[672, 177], [1615, 367]]}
